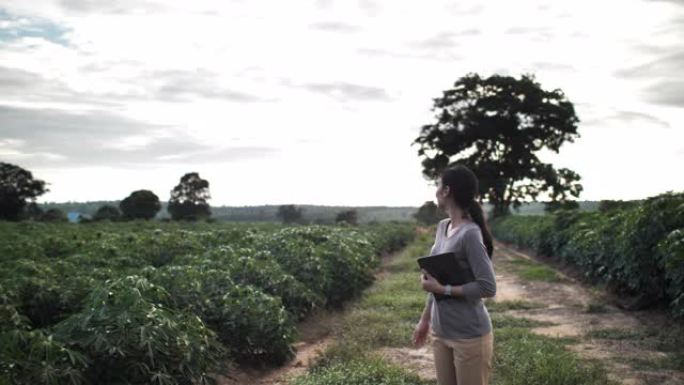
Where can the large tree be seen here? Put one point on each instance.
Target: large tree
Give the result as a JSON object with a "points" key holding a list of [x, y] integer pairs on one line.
{"points": [[54, 215], [17, 186], [141, 204], [189, 198], [495, 126], [107, 212], [290, 214], [429, 213], [32, 212], [348, 216]]}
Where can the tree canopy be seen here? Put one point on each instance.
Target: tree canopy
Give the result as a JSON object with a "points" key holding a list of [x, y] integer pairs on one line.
{"points": [[17, 186], [495, 126], [429, 213], [189, 198], [107, 212], [348, 216], [141, 204], [290, 214]]}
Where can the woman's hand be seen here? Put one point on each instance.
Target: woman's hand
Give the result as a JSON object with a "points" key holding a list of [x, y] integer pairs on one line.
{"points": [[420, 333], [429, 283]]}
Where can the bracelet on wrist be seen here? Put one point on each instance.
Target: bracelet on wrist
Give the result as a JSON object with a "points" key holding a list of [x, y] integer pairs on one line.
{"points": [[447, 290]]}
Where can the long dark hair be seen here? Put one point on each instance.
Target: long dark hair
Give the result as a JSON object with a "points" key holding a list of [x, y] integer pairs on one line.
{"points": [[463, 187]]}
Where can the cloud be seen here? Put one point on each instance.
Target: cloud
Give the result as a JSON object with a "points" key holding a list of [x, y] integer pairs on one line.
{"points": [[324, 4], [112, 6], [52, 138], [622, 118], [667, 65], [370, 7], [444, 39], [169, 86], [443, 55], [662, 72], [18, 84], [666, 87], [550, 66], [677, 2], [438, 47], [390, 53], [640, 117], [180, 86], [537, 33], [16, 27], [333, 26], [463, 9], [669, 93], [348, 91]]}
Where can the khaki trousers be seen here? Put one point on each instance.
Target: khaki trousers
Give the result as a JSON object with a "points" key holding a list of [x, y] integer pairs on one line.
{"points": [[465, 361]]}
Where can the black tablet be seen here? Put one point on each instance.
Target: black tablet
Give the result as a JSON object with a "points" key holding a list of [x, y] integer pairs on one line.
{"points": [[447, 268]]}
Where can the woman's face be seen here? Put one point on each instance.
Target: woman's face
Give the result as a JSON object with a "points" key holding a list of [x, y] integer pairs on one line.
{"points": [[441, 193]]}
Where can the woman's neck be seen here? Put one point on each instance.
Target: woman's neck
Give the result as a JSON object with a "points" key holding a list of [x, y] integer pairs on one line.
{"points": [[456, 216]]}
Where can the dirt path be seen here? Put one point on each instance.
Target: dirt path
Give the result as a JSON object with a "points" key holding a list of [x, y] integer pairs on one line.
{"points": [[578, 311]]}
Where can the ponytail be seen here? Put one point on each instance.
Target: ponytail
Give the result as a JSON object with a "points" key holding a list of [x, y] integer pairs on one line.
{"points": [[477, 214]]}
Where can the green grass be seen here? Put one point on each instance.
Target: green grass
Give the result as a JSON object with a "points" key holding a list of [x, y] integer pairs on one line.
{"points": [[534, 271], [366, 370], [500, 321], [595, 308], [522, 358], [668, 340], [498, 306], [671, 361], [386, 314], [616, 334]]}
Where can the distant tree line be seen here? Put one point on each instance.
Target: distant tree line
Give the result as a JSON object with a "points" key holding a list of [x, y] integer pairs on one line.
{"points": [[290, 214], [188, 201], [19, 190]]}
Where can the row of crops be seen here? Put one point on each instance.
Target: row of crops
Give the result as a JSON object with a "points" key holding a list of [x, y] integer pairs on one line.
{"points": [[637, 249], [142, 303]]}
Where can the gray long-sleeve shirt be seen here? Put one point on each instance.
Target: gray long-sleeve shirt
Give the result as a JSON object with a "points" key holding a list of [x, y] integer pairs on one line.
{"points": [[467, 316]]}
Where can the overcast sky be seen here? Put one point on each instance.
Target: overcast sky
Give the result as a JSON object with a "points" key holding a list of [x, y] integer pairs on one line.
{"points": [[318, 101]]}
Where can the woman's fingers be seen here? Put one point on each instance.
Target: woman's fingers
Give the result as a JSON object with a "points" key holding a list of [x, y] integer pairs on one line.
{"points": [[419, 340], [419, 337]]}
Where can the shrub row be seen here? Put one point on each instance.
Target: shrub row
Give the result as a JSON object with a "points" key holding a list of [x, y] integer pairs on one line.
{"points": [[638, 249]]}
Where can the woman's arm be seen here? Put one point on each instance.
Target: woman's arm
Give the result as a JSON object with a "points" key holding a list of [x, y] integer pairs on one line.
{"points": [[427, 311], [484, 284]]}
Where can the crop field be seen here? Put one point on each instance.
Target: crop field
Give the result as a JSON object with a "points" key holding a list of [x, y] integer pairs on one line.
{"points": [[637, 249], [170, 303]]}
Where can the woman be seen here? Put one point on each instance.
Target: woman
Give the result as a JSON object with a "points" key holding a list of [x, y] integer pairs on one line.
{"points": [[462, 336]]}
